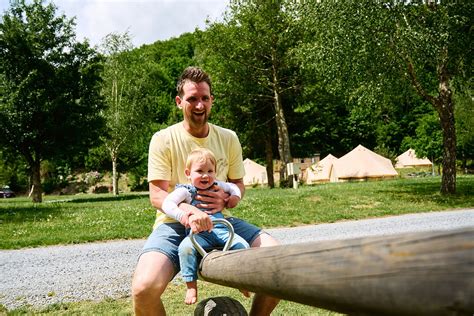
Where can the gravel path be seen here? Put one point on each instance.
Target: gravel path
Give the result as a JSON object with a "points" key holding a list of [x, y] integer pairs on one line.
{"points": [[42, 276]]}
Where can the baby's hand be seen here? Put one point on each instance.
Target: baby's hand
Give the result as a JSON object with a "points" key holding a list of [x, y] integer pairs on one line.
{"points": [[184, 220], [232, 201]]}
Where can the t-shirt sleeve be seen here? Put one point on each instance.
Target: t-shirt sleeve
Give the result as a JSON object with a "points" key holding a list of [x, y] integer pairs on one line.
{"points": [[236, 165], [159, 158]]}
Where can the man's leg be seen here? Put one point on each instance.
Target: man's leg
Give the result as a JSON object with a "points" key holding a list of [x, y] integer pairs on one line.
{"points": [[153, 273], [263, 304]]}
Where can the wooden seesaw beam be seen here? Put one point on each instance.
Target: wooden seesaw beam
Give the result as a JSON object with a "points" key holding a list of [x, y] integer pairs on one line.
{"points": [[428, 273]]}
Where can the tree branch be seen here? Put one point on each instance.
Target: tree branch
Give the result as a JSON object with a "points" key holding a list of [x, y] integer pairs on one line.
{"points": [[417, 84]]}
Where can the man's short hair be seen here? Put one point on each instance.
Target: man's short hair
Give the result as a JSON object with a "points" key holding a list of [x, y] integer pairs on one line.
{"points": [[193, 74]]}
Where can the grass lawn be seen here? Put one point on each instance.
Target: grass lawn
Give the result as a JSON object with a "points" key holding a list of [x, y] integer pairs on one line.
{"points": [[87, 218], [173, 299]]}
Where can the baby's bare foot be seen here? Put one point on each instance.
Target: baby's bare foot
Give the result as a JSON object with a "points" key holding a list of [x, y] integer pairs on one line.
{"points": [[191, 296]]}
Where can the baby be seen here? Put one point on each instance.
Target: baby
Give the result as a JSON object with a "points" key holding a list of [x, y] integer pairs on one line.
{"points": [[201, 171]]}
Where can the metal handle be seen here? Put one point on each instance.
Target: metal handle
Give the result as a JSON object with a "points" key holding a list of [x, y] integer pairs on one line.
{"points": [[227, 244]]}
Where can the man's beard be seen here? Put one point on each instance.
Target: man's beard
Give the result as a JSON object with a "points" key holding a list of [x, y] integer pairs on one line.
{"points": [[199, 120]]}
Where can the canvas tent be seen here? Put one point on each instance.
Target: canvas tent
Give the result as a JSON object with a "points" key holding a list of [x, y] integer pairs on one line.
{"points": [[254, 173], [320, 171], [360, 164], [409, 159]]}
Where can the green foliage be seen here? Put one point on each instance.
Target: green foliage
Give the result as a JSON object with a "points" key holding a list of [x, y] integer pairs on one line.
{"points": [[249, 58], [13, 171], [367, 49], [139, 87], [465, 128], [54, 176], [429, 139], [321, 124], [346, 73], [49, 93], [168, 59], [49, 83], [124, 81]]}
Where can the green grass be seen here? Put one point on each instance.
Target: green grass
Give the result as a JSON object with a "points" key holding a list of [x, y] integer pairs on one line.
{"points": [[74, 219], [87, 218], [332, 202], [173, 299]]}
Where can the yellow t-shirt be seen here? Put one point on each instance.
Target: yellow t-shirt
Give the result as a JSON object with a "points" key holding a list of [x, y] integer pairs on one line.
{"points": [[169, 149]]}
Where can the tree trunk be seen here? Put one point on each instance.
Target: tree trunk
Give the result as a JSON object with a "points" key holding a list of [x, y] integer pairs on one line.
{"points": [[114, 175], [36, 195], [282, 128], [269, 160], [445, 106], [446, 114]]}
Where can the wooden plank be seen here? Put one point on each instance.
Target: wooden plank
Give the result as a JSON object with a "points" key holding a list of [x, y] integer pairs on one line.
{"points": [[429, 273]]}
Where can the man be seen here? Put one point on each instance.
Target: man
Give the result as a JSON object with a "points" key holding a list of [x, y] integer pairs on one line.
{"points": [[169, 148]]}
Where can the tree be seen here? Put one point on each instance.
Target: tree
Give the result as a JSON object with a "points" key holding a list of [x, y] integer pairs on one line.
{"points": [[124, 79], [49, 87], [252, 65], [359, 44]]}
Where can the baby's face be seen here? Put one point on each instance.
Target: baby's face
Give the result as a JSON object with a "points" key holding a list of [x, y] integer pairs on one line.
{"points": [[202, 174]]}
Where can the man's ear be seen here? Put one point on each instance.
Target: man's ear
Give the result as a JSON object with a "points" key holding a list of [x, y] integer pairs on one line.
{"points": [[178, 102]]}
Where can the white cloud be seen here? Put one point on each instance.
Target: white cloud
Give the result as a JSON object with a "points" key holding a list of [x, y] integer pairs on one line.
{"points": [[146, 20]]}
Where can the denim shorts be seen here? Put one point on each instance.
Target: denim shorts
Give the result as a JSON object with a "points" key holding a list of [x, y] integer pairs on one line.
{"points": [[166, 238]]}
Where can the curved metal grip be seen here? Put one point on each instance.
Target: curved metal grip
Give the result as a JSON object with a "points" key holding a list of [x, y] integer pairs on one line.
{"points": [[227, 244]]}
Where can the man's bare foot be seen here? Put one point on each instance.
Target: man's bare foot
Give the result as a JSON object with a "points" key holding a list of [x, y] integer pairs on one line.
{"points": [[191, 293]]}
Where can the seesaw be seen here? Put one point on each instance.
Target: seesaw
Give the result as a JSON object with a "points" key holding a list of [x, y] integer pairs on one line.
{"points": [[424, 273]]}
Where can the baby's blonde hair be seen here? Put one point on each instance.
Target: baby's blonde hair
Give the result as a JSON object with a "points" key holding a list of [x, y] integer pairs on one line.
{"points": [[200, 155]]}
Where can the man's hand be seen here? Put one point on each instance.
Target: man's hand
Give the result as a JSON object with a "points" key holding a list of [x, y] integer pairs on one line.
{"points": [[197, 220], [232, 201], [213, 199]]}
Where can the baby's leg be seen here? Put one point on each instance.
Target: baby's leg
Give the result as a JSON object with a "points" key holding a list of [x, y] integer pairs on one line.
{"points": [[189, 264]]}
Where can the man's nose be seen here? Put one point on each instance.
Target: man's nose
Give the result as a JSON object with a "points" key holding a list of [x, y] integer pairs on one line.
{"points": [[200, 105]]}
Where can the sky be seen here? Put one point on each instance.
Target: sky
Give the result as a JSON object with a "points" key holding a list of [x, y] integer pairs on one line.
{"points": [[147, 21]]}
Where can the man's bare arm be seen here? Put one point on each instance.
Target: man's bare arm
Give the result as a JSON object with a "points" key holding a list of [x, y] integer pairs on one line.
{"points": [[158, 192]]}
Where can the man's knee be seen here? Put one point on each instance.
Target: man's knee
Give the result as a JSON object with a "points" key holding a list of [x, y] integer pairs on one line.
{"points": [[264, 240], [152, 275], [144, 289]]}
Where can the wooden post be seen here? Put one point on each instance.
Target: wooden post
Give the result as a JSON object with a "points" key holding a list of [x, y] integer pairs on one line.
{"points": [[428, 273]]}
